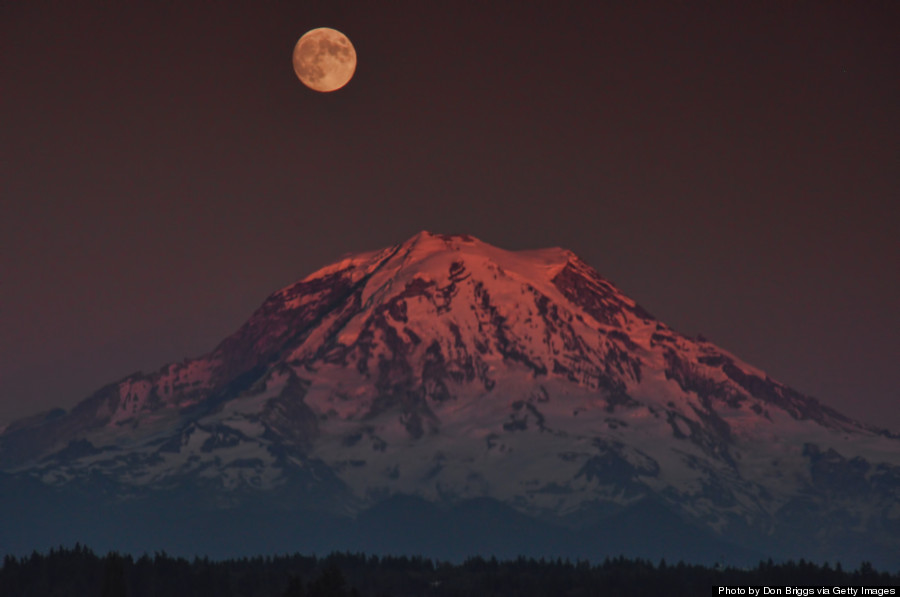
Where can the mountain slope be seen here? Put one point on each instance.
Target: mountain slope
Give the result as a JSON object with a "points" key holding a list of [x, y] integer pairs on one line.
{"points": [[450, 370]]}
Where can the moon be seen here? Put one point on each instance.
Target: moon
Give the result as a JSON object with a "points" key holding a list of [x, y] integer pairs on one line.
{"points": [[324, 59]]}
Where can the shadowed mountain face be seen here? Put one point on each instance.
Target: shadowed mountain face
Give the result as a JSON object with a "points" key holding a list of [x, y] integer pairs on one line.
{"points": [[447, 396]]}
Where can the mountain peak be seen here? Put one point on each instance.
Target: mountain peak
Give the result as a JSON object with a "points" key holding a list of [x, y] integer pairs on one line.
{"points": [[447, 368], [437, 257]]}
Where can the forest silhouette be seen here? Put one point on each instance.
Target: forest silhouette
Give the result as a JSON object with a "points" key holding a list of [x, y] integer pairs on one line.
{"points": [[80, 571]]}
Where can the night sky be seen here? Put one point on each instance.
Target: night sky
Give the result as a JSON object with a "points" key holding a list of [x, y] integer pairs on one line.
{"points": [[733, 167]]}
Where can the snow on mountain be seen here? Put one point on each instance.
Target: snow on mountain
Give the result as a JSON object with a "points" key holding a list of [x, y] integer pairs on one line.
{"points": [[449, 369]]}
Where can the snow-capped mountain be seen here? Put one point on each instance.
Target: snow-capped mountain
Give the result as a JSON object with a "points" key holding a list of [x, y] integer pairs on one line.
{"points": [[449, 372]]}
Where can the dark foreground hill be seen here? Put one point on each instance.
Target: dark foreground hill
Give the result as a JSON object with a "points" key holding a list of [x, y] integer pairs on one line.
{"points": [[79, 571]]}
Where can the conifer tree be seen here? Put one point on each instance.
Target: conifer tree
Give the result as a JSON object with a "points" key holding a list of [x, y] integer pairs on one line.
{"points": [[114, 577]]}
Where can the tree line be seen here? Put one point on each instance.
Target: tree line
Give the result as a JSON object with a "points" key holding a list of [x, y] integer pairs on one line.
{"points": [[79, 571]]}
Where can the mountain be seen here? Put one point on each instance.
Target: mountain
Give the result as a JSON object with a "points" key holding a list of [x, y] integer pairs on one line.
{"points": [[447, 397]]}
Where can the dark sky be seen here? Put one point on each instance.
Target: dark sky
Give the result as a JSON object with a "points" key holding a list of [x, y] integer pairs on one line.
{"points": [[732, 166]]}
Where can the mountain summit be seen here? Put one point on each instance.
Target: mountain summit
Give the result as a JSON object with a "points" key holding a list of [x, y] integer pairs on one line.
{"points": [[449, 397]]}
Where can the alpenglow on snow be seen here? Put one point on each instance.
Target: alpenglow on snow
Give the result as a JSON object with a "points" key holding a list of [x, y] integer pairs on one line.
{"points": [[447, 397]]}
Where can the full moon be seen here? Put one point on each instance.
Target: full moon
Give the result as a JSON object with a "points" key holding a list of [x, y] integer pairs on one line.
{"points": [[324, 59]]}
